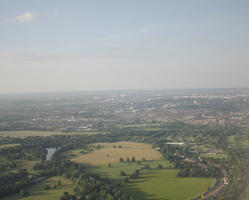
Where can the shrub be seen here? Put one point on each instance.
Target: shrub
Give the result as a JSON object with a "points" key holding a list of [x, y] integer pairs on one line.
{"points": [[47, 187], [122, 173], [126, 180], [147, 166], [160, 166], [24, 193]]}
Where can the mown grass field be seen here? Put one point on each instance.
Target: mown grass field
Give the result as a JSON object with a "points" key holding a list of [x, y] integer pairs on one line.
{"points": [[109, 154], [137, 125], [164, 184], [4, 146], [22, 134], [26, 164], [153, 183], [38, 191], [128, 167]]}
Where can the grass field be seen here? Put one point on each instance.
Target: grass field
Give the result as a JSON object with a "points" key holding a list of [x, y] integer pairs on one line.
{"points": [[37, 191], [109, 154], [22, 134], [128, 167], [26, 164], [137, 125], [154, 184], [164, 184], [4, 146]]}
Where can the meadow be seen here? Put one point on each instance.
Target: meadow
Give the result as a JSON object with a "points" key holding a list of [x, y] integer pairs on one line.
{"points": [[38, 191], [137, 125], [22, 134], [4, 146], [112, 152], [164, 184], [154, 183], [113, 171], [29, 164]]}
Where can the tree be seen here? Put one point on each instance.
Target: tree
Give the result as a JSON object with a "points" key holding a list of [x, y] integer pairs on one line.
{"points": [[47, 187], [133, 159], [59, 182], [65, 196], [147, 166], [160, 166], [122, 173], [135, 174], [24, 193], [127, 159], [126, 180], [121, 160]]}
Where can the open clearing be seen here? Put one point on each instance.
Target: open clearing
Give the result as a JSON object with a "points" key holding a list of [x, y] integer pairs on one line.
{"points": [[37, 191], [109, 154], [137, 125], [22, 134], [4, 146], [165, 184], [128, 167], [26, 164]]}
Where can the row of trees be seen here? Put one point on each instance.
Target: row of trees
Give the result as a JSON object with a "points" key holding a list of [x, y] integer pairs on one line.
{"points": [[133, 159], [195, 170]]}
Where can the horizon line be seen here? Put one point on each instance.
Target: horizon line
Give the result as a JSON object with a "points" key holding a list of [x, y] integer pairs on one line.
{"points": [[120, 90]]}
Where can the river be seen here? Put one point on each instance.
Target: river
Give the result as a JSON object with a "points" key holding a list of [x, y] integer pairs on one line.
{"points": [[50, 153]]}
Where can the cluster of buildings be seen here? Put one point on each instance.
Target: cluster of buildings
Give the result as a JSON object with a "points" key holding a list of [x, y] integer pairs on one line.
{"points": [[85, 111]]}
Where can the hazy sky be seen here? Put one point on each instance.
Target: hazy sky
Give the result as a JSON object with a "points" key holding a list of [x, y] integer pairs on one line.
{"points": [[64, 45]]}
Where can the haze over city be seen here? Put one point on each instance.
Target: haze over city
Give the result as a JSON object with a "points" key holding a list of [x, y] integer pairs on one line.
{"points": [[112, 45]]}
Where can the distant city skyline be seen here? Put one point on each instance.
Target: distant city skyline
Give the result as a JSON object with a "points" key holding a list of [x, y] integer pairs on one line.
{"points": [[60, 45]]}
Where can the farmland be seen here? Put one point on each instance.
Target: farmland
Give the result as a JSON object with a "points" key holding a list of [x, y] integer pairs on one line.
{"points": [[3, 146], [39, 192], [23, 134]]}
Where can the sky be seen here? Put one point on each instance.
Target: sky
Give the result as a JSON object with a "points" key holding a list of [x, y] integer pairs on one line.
{"points": [[77, 45]]}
